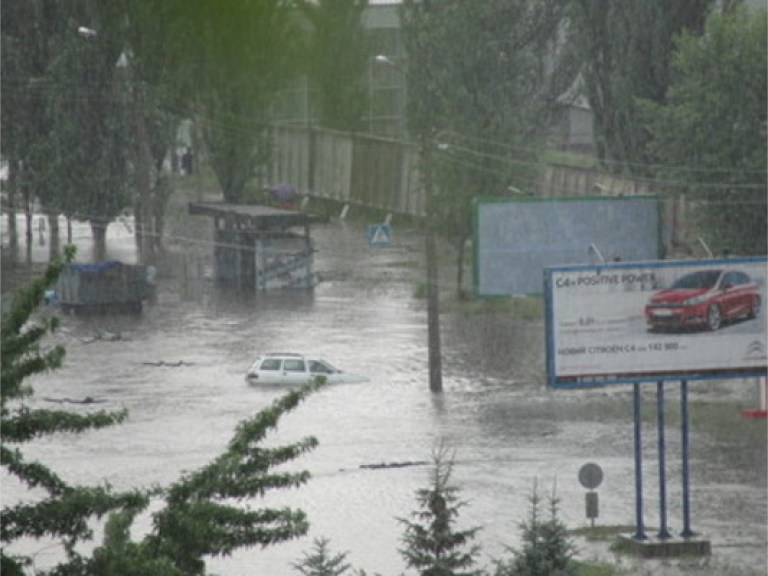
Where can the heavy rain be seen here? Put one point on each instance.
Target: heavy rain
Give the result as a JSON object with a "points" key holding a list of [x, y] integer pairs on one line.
{"points": [[179, 369], [483, 208]]}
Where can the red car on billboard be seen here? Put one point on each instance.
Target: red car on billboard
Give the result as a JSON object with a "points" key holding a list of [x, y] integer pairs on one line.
{"points": [[704, 299]]}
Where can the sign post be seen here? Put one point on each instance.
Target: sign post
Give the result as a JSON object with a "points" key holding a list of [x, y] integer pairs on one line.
{"points": [[687, 532], [590, 476], [639, 525], [638, 322], [663, 531]]}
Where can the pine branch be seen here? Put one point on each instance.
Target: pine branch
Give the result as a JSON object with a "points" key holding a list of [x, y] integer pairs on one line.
{"points": [[25, 424]]}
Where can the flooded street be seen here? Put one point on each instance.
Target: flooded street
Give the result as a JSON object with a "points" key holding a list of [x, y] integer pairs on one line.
{"points": [[179, 370]]}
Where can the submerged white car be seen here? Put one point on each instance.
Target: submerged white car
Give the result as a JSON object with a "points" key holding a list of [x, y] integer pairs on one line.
{"points": [[289, 369]]}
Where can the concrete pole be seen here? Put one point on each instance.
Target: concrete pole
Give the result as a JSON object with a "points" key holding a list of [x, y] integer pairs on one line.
{"points": [[433, 303]]}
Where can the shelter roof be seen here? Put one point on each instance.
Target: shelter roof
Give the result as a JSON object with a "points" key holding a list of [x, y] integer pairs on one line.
{"points": [[252, 215]]}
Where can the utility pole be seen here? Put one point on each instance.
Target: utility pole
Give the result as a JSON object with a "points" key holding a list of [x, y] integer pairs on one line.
{"points": [[426, 143], [433, 302]]}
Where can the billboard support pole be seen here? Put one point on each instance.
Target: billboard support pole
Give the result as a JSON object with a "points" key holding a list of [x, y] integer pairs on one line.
{"points": [[687, 532], [663, 532], [639, 529]]}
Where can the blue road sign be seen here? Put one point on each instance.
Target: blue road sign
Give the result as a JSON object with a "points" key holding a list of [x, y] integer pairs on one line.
{"points": [[380, 234]]}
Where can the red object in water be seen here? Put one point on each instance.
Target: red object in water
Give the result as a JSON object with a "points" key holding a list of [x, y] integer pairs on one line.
{"points": [[754, 413]]}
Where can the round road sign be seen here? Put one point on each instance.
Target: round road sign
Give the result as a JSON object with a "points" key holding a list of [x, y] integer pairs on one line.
{"points": [[590, 475]]}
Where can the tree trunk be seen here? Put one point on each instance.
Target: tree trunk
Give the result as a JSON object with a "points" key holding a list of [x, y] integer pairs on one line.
{"points": [[461, 245], [99, 233], [28, 219], [54, 245], [144, 227], [13, 232], [162, 193]]}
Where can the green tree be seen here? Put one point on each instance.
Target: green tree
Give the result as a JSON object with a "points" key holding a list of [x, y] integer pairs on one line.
{"points": [[481, 90], [321, 562], [625, 47], [709, 137], [158, 100], [63, 513], [91, 132], [547, 549], [431, 543], [91, 115], [197, 520], [65, 119], [336, 60], [238, 55], [197, 516], [33, 34]]}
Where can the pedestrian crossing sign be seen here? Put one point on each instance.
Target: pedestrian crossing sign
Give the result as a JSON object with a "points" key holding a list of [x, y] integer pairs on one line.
{"points": [[380, 234]]}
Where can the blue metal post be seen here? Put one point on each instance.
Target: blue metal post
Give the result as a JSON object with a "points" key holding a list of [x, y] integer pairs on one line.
{"points": [[663, 532], [687, 532], [639, 528]]}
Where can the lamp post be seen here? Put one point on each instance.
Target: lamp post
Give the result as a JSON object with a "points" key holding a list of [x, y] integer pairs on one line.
{"points": [[426, 143]]}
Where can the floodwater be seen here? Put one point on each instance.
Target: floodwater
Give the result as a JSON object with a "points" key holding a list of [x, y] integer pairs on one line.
{"points": [[179, 370]]}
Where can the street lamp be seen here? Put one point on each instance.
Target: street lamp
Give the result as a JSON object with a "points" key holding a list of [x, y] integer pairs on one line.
{"points": [[426, 143]]}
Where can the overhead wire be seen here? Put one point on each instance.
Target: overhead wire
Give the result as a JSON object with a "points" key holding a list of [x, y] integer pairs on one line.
{"points": [[239, 125]]}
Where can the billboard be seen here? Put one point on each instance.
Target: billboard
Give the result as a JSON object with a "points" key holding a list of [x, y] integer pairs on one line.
{"points": [[516, 238], [654, 321]]}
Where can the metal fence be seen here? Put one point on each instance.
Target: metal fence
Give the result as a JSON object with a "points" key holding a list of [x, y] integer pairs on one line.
{"points": [[383, 173], [349, 168]]}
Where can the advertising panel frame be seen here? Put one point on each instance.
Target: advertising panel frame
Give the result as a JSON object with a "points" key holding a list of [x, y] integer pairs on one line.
{"points": [[514, 238], [587, 349]]}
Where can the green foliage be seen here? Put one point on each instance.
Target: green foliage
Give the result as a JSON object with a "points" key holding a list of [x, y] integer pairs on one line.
{"points": [[72, 146], [709, 137], [335, 60], [198, 518], [236, 57], [547, 548], [200, 515], [625, 47], [118, 556], [431, 542], [320, 562], [73, 104], [65, 510], [479, 99]]}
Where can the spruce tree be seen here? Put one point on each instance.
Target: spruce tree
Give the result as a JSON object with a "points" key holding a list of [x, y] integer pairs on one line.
{"points": [[65, 510], [547, 550], [432, 543], [199, 517], [320, 562], [199, 514]]}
